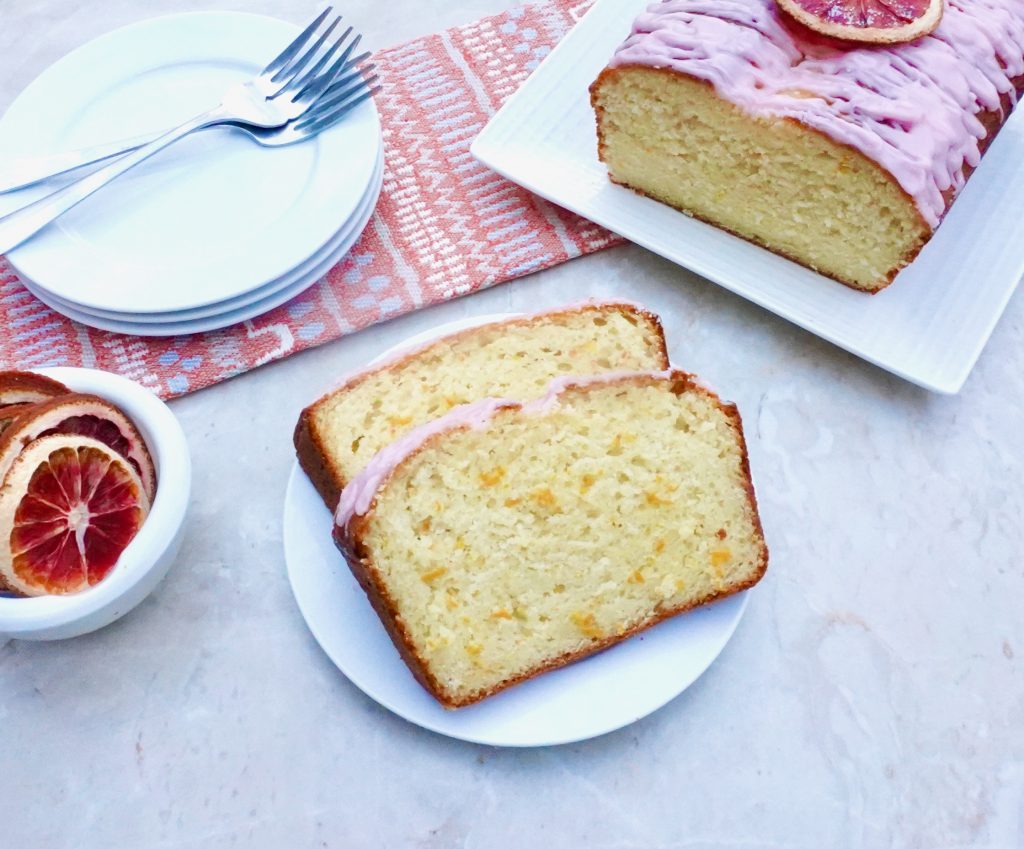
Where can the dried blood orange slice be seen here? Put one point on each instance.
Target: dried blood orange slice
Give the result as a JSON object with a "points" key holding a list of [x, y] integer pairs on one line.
{"points": [[84, 415], [10, 412], [25, 387], [68, 509], [867, 21]]}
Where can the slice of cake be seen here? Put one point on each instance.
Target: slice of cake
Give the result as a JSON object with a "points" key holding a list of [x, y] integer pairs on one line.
{"points": [[337, 435], [842, 158], [507, 539]]}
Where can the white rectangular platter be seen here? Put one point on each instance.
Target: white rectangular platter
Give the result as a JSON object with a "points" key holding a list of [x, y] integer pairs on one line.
{"points": [[929, 327]]}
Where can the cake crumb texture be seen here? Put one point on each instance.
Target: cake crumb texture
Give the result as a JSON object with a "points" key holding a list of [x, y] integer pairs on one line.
{"points": [[496, 553], [842, 157], [340, 433], [769, 180]]}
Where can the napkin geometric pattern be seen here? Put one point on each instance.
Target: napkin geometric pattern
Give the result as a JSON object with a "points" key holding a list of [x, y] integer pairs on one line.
{"points": [[445, 225]]}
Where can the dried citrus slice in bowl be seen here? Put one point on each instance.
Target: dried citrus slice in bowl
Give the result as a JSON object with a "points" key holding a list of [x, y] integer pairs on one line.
{"points": [[10, 412], [83, 415], [69, 507], [151, 552], [26, 387], [867, 21]]}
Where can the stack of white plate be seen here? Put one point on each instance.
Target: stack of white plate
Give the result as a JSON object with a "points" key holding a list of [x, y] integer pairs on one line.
{"points": [[215, 229]]}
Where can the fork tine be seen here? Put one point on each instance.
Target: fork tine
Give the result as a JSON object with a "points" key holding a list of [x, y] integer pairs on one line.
{"points": [[293, 69], [289, 52], [362, 57], [339, 91], [348, 52], [342, 104], [324, 122], [300, 83], [330, 96], [314, 89]]}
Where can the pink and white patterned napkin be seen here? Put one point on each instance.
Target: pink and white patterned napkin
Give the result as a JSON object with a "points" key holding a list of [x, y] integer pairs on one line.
{"points": [[445, 225]]}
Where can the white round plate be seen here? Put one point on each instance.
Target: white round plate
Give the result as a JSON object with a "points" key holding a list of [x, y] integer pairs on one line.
{"points": [[210, 218], [233, 315], [594, 696], [150, 554], [332, 253]]}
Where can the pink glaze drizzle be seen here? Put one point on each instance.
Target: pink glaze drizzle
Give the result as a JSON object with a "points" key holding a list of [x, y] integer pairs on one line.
{"points": [[358, 495], [912, 108]]}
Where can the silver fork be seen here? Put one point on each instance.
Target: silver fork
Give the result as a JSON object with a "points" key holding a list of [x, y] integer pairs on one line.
{"points": [[283, 92], [340, 99]]}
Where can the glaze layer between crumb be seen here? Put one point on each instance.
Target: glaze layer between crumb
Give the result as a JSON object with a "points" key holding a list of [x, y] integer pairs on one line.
{"points": [[358, 495]]}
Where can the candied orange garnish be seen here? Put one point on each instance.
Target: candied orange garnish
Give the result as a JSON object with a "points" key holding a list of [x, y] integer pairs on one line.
{"points": [[433, 575]]}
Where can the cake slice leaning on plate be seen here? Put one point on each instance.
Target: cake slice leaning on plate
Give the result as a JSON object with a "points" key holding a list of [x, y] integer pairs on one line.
{"points": [[507, 539], [840, 157], [338, 434]]}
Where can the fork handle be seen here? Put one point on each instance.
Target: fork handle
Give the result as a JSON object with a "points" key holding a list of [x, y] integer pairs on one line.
{"points": [[26, 172], [19, 225]]}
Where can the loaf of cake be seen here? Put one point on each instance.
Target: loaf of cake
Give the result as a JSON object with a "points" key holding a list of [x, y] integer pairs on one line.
{"points": [[842, 158], [338, 434], [506, 539]]}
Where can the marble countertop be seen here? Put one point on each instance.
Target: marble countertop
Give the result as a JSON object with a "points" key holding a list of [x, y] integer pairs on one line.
{"points": [[872, 696]]}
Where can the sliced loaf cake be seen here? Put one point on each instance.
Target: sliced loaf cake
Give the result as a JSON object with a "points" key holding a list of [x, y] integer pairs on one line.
{"points": [[843, 157], [506, 539], [338, 434]]}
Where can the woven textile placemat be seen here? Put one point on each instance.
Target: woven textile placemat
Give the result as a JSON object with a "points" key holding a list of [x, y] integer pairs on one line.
{"points": [[445, 225]]}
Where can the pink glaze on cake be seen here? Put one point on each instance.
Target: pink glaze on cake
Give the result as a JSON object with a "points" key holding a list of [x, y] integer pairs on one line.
{"points": [[357, 496], [912, 108]]}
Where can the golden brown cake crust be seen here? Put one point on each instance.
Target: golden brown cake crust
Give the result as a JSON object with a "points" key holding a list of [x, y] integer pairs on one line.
{"points": [[309, 442], [991, 120], [350, 542], [313, 458]]}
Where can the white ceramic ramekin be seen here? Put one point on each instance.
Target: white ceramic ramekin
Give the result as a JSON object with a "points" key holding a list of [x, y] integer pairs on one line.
{"points": [[148, 557]]}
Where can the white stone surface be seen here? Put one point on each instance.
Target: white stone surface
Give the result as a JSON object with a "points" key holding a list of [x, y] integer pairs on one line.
{"points": [[872, 697]]}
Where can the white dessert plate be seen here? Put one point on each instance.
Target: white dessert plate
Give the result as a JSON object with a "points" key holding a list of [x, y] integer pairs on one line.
{"points": [[309, 271], [212, 217], [150, 554], [208, 320], [592, 697], [928, 327]]}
